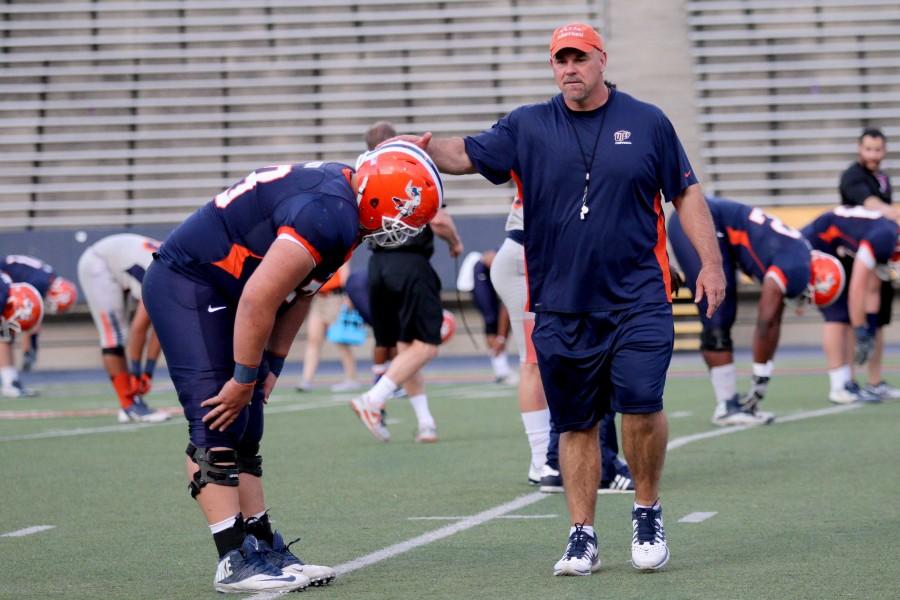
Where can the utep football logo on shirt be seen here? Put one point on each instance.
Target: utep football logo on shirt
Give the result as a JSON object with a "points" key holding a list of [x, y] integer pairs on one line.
{"points": [[414, 199], [622, 136]]}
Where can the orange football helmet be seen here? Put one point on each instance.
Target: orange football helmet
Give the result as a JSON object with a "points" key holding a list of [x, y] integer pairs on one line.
{"points": [[448, 326], [61, 295], [827, 279], [23, 311], [400, 191]]}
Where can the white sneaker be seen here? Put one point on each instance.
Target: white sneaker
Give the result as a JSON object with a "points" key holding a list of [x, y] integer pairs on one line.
{"points": [[732, 413], [649, 549], [534, 474], [370, 416], [551, 481], [884, 390], [139, 412], [348, 385], [17, 390], [581, 556], [851, 393], [427, 434], [280, 555]]}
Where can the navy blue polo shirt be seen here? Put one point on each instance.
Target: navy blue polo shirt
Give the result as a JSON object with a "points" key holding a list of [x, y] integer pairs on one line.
{"points": [[616, 257]]}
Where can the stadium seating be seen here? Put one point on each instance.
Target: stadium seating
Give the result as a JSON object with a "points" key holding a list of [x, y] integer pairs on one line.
{"points": [[784, 89], [119, 113]]}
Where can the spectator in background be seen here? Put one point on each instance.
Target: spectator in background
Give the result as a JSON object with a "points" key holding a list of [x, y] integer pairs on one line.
{"points": [[864, 184], [325, 309]]}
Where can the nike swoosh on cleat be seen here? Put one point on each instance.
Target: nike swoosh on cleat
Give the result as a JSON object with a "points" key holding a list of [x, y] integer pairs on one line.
{"points": [[287, 578], [687, 174], [213, 309]]}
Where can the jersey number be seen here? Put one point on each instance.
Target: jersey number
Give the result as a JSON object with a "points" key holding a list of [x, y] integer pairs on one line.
{"points": [[759, 217], [264, 175]]}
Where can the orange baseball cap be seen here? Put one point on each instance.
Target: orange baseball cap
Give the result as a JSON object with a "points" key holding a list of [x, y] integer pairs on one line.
{"points": [[575, 35]]}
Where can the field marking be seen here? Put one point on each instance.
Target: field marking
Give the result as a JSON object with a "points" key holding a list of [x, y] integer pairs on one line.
{"points": [[697, 517], [679, 414], [500, 517], [28, 531], [522, 501]]}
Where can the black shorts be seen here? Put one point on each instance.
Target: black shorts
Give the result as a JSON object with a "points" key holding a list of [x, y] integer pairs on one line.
{"points": [[405, 298], [887, 304]]}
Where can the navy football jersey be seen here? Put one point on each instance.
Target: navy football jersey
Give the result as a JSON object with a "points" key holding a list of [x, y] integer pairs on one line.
{"points": [[5, 282], [615, 257], [28, 269], [312, 204], [763, 246], [842, 230]]}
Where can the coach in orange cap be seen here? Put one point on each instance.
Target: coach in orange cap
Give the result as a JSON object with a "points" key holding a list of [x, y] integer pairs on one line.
{"points": [[593, 166]]}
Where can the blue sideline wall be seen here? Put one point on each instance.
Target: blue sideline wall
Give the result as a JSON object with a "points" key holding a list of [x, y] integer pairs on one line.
{"points": [[61, 247]]}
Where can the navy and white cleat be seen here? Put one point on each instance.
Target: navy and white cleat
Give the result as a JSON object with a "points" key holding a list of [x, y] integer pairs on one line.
{"points": [[139, 412], [279, 555], [246, 570]]}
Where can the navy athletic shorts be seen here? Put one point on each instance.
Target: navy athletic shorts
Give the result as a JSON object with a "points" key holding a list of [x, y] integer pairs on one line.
{"points": [[196, 338], [591, 363]]}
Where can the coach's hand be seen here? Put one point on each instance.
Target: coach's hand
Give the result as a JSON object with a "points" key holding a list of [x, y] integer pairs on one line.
{"points": [[227, 404], [711, 283]]}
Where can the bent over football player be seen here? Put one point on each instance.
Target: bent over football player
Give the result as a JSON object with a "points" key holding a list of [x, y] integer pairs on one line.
{"points": [[58, 295], [776, 256], [227, 293], [21, 311], [107, 270]]}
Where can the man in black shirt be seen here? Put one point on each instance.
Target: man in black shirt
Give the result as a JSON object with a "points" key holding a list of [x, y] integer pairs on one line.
{"points": [[404, 293], [864, 184]]}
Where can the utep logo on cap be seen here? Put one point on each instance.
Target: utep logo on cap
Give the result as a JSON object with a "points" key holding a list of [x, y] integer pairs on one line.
{"points": [[622, 136]]}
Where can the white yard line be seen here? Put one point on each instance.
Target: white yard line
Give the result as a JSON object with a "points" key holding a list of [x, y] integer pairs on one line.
{"points": [[28, 531], [500, 517], [697, 517], [523, 501]]}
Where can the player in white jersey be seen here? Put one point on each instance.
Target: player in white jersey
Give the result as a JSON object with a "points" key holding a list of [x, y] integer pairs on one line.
{"points": [[109, 270]]}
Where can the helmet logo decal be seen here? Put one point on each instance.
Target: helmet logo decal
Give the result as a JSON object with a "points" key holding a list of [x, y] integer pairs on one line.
{"points": [[825, 284], [407, 207]]}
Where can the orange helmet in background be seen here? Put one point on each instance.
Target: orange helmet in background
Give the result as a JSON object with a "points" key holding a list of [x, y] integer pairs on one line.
{"points": [[400, 191], [827, 278], [61, 295], [23, 311]]}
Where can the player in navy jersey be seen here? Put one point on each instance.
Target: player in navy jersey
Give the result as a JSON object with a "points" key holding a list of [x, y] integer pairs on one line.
{"points": [[58, 293], [227, 293], [594, 165], [870, 239], [865, 183], [778, 258]]}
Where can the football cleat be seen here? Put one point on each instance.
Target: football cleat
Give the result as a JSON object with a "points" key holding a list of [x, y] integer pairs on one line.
{"points": [[851, 393], [371, 417], [280, 555], [139, 412], [883, 390], [17, 390], [551, 481], [649, 549], [733, 413], [581, 556], [246, 569], [427, 434], [534, 474]]}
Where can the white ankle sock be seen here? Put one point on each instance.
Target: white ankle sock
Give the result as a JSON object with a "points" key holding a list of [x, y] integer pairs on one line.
{"points": [[8, 375], [839, 377], [501, 365], [537, 428], [588, 529], [724, 382], [223, 525], [381, 390], [420, 405]]}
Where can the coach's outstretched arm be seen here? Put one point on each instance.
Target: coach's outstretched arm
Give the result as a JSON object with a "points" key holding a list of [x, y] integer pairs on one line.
{"points": [[697, 223], [449, 154]]}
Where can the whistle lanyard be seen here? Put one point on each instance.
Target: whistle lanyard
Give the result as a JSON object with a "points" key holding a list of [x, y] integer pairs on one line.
{"points": [[588, 165]]}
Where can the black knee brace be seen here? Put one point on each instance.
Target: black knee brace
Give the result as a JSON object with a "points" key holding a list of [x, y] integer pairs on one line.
{"points": [[114, 351], [216, 466], [716, 340], [248, 460]]}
